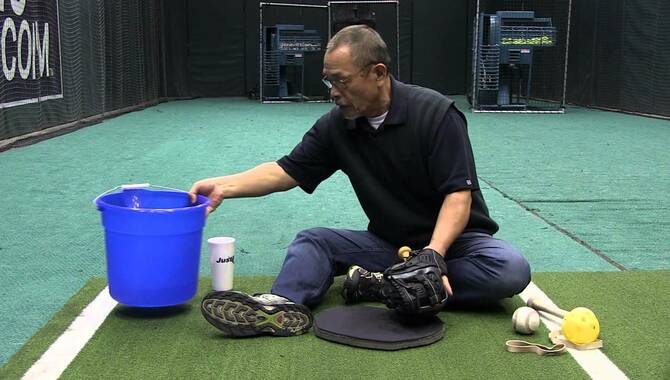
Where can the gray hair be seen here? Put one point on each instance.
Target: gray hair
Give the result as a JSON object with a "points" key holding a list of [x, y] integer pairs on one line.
{"points": [[366, 45]]}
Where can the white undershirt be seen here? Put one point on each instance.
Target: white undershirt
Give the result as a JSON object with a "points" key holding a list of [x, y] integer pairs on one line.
{"points": [[376, 121]]}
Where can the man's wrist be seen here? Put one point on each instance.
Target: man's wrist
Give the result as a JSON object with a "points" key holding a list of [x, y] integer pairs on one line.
{"points": [[440, 251], [441, 263]]}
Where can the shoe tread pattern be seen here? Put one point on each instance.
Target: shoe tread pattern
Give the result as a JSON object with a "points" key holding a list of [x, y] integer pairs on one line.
{"points": [[238, 314]]}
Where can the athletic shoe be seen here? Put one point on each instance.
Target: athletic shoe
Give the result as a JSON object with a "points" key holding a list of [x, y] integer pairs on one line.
{"points": [[239, 314], [361, 285]]}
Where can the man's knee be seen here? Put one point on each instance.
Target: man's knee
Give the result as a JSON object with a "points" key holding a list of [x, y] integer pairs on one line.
{"points": [[310, 241], [313, 236], [515, 274]]}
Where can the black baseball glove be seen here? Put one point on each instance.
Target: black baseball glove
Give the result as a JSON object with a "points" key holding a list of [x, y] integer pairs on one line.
{"points": [[415, 287]]}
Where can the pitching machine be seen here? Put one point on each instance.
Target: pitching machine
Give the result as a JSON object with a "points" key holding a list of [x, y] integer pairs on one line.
{"points": [[504, 62], [284, 49]]}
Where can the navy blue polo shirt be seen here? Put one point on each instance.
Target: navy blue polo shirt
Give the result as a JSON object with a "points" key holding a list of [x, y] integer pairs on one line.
{"points": [[400, 172]]}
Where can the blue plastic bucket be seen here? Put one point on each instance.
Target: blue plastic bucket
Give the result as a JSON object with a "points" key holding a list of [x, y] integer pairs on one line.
{"points": [[152, 244]]}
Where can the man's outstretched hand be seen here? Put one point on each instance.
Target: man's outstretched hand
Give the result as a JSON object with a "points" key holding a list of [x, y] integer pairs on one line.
{"points": [[210, 189]]}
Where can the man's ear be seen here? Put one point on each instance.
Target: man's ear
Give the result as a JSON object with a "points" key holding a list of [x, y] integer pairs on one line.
{"points": [[380, 70]]}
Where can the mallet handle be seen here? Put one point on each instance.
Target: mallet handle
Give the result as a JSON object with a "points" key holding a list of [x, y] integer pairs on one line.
{"points": [[541, 305]]}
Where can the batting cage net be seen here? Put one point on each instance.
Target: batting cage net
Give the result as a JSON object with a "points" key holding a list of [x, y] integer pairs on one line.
{"points": [[519, 60], [68, 60], [68, 63], [620, 56], [383, 16]]}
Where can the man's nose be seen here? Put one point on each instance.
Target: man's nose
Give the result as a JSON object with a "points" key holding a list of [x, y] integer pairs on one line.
{"points": [[334, 92]]}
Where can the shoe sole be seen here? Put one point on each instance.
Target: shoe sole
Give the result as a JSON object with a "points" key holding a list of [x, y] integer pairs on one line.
{"points": [[238, 314]]}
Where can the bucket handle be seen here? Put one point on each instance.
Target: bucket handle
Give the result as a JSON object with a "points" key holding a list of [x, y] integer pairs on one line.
{"points": [[133, 186]]}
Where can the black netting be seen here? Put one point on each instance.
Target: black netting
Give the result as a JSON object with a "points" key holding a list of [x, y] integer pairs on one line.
{"points": [[439, 46], [111, 55], [645, 57], [216, 48], [619, 56], [384, 17], [106, 52]]}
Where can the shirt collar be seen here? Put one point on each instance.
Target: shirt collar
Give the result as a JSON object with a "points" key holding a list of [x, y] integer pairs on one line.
{"points": [[397, 113]]}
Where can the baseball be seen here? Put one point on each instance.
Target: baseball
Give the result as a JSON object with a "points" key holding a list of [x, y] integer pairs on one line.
{"points": [[525, 320]]}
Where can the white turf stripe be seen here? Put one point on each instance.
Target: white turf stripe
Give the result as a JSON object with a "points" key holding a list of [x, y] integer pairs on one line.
{"points": [[61, 353], [594, 362]]}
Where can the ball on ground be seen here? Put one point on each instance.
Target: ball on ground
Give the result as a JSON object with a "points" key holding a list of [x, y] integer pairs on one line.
{"points": [[580, 326], [525, 320]]}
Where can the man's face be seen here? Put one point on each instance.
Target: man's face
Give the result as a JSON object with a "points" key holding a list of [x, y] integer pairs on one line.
{"points": [[354, 89]]}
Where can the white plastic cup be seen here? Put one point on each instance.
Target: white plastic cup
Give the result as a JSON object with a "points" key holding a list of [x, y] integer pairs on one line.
{"points": [[222, 262]]}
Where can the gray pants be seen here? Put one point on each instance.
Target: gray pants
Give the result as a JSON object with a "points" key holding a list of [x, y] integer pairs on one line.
{"points": [[482, 269]]}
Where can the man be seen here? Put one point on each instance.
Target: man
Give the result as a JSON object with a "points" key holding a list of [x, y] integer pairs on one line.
{"points": [[407, 154]]}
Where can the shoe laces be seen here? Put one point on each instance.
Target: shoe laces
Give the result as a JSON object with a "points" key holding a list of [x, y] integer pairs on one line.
{"points": [[270, 298], [375, 276]]}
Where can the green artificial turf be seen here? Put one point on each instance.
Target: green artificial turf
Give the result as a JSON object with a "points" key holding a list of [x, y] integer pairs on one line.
{"points": [[181, 344], [601, 176], [38, 343], [632, 308], [178, 343]]}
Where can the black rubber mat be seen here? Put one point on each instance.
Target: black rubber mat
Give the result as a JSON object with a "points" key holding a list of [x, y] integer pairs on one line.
{"points": [[376, 328]]}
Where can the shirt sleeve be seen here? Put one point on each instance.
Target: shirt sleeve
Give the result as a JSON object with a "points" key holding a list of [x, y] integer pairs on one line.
{"points": [[451, 164], [311, 161]]}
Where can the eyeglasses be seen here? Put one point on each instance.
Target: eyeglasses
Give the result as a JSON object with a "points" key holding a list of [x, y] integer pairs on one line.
{"points": [[344, 82]]}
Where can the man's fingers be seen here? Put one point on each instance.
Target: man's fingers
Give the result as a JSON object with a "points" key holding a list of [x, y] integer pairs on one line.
{"points": [[447, 286], [214, 202], [193, 193], [208, 189], [213, 205]]}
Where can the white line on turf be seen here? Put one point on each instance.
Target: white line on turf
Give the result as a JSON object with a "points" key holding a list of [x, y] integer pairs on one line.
{"points": [[61, 353], [594, 362]]}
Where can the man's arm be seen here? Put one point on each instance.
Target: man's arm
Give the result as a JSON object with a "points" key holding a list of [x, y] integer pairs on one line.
{"points": [[264, 179], [452, 219], [419, 271]]}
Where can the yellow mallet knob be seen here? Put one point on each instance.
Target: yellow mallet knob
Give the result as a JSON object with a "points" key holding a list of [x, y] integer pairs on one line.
{"points": [[403, 252]]}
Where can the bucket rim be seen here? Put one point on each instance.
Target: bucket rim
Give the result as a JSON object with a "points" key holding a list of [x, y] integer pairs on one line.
{"points": [[201, 202]]}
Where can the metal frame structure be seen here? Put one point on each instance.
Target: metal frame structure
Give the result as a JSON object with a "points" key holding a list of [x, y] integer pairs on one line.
{"points": [[397, 22], [330, 3], [475, 68], [261, 41]]}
